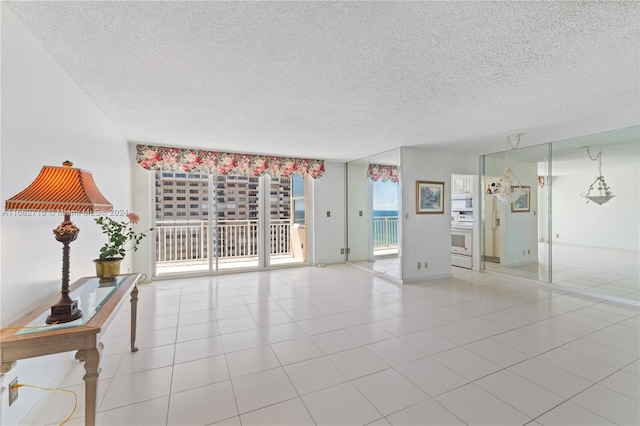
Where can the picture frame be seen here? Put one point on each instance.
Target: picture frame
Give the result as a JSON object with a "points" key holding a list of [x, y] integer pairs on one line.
{"points": [[523, 203], [429, 197]]}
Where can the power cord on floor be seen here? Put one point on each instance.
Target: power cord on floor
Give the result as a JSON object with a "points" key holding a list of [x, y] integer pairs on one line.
{"points": [[75, 396]]}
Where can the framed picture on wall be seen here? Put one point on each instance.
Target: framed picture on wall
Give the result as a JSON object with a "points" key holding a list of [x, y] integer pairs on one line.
{"points": [[429, 197], [522, 204]]}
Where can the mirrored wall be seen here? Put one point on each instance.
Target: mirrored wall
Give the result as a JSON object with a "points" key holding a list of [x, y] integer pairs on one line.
{"points": [[516, 235], [373, 210], [559, 236]]}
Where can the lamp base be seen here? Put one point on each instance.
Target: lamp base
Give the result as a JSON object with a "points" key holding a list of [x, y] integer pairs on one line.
{"points": [[61, 313]]}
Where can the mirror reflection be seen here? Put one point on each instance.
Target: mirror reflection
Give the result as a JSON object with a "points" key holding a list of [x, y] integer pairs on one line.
{"points": [[373, 209], [567, 239]]}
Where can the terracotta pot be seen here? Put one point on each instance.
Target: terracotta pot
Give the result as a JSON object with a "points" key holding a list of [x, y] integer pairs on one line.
{"points": [[108, 268]]}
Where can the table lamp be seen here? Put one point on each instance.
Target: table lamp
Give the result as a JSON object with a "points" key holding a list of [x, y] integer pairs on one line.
{"points": [[67, 190]]}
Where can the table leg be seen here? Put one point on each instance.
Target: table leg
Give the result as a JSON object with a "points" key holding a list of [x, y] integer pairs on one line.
{"points": [[134, 316], [91, 359]]}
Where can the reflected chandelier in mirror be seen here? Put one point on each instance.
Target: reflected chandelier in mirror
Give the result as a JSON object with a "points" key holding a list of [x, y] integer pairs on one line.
{"points": [[604, 192]]}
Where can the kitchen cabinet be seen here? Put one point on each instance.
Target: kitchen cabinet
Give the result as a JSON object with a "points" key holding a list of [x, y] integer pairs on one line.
{"points": [[462, 184]]}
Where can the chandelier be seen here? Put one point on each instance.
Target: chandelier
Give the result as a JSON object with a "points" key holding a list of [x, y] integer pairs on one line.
{"points": [[604, 192], [508, 187]]}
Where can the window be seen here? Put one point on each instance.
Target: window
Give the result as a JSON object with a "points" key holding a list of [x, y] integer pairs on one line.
{"points": [[299, 205]]}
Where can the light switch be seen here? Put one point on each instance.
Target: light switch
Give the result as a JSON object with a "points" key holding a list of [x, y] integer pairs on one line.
{"points": [[328, 214], [360, 213]]}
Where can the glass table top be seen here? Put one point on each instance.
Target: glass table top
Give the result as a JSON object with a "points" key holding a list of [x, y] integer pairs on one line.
{"points": [[91, 296]]}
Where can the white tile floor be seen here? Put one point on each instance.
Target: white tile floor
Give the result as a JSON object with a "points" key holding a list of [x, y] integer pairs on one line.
{"points": [[339, 346], [593, 270]]}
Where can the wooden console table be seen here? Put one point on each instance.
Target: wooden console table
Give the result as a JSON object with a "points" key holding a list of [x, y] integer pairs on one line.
{"points": [[30, 336]]}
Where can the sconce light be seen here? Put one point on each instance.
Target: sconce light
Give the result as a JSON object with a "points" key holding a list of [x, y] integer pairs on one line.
{"points": [[604, 192], [66, 190], [508, 188]]}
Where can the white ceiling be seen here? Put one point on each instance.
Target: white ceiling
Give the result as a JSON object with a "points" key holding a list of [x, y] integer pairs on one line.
{"points": [[341, 80]]}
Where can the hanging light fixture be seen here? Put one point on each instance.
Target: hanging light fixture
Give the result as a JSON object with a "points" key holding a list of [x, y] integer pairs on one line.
{"points": [[508, 187], [604, 192]]}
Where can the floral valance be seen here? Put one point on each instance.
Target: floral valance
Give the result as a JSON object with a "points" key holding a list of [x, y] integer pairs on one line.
{"points": [[200, 161], [381, 172]]}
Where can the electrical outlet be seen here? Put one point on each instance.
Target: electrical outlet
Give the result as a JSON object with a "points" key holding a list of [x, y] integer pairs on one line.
{"points": [[13, 391], [418, 265], [341, 251], [528, 251], [426, 265], [557, 235]]}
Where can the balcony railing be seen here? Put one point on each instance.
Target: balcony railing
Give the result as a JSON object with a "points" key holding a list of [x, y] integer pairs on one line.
{"points": [[385, 232], [178, 241], [188, 241]]}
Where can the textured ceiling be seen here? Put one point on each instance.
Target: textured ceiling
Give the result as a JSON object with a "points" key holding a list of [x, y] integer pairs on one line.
{"points": [[341, 80]]}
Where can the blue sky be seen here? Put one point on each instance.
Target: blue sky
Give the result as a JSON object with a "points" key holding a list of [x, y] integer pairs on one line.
{"points": [[385, 195]]}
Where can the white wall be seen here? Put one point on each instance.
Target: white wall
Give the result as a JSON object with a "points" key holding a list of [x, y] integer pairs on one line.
{"points": [[427, 237], [143, 204], [46, 119], [328, 194], [360, 199]]}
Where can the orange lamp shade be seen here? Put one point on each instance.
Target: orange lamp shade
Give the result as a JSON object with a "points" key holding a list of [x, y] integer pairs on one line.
{"points": [[65, 188]]}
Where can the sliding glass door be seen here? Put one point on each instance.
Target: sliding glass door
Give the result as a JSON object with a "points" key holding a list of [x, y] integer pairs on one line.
{"points": [[213, 223], [287, 220]]}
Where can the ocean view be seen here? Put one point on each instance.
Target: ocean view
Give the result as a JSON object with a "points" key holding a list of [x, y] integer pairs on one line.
{"points": [[379, 213]]}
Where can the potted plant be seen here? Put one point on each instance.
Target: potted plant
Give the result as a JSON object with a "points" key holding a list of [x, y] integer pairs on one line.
{"points": [[120, 238]]}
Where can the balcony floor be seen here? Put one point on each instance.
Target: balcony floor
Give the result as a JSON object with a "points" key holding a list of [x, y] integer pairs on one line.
{"points": [[223, 264]]}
